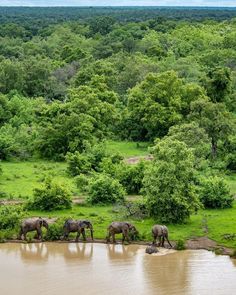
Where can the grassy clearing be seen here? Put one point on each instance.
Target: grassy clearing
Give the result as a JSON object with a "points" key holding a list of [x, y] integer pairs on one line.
{"points": [[20, 178], [128, 148]]}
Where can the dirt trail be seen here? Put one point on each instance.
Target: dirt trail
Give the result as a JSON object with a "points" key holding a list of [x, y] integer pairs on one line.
{"points": [[135, 160]]}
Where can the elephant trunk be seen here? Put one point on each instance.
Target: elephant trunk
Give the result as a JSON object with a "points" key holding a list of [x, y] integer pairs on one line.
{"points": [[91, 231]]}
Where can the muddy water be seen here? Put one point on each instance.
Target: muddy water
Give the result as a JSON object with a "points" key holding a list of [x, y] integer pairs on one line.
{"points": [[95, 269]]}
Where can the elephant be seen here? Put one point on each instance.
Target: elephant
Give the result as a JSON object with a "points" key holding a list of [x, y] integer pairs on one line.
{"points": [[125, 228], [78, 226], [32, 224], [151, 249], [160, 232]]}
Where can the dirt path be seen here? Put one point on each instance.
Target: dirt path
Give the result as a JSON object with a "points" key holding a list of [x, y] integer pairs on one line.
{"points": [[135, 160]]}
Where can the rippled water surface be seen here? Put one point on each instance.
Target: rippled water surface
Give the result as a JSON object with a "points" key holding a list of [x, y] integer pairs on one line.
{"points": [[94, 269]]}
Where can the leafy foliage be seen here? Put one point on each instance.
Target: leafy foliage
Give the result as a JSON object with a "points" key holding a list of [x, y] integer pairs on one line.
{"points": [[105, 190], [169, 182], [10, 217], [214, 193], [52, 196]]}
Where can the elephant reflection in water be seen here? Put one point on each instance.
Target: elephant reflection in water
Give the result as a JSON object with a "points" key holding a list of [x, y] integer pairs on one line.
{"points": [[121, 252], [167, 274], [80, 251], [32, 252]]}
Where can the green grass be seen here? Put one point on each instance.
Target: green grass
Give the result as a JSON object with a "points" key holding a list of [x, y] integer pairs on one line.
{"points": [[221, 222], [128, 148], [20, 178], [231, 180]]}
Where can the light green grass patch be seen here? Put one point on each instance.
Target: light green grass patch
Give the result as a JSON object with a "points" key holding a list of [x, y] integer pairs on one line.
{"points": [[20, 178], [231, 180], [128, 148]]}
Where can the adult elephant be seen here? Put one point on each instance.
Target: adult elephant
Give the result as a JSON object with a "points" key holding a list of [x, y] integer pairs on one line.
{"points": [[160, 232], [32, 224], [124, 228], [78, 226]]}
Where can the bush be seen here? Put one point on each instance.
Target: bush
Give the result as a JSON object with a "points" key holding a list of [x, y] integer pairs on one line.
{"points": [[52, 196], [105, 190], [90, 160], [55, 231], [129, 209], [131, 177], [78, 163], [82, 182], [10, 217], [214, 193], [180, 245]]}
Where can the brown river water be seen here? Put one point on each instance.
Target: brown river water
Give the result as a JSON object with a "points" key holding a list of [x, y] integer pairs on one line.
{"points": [[70, 268]]}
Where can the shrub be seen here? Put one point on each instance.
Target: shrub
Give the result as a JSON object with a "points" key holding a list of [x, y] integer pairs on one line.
{"points": [[90, 160], [55, 230], [129, 209], [78, 163], [10, 217], [214, 193], [180, 245], [52, 196], [82, 182], [105, 190], [131, 177]]}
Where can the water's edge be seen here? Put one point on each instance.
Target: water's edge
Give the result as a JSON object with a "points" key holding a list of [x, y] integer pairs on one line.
{"points": [[199, 243]]}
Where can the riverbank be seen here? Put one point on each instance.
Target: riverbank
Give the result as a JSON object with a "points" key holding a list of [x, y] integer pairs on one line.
{"points": [[200, 243], [197, 233]]}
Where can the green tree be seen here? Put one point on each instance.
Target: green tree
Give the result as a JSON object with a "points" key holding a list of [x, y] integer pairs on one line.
{"points": [[215, 119], [155, 104], [12, 76], [193, 136], [219, 84], [169, 182]]}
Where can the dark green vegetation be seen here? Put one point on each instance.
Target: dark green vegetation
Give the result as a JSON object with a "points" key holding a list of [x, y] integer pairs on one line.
{"points": [[82, 91]]}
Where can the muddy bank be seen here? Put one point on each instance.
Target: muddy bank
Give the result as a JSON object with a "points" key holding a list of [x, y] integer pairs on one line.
{"points": [[200, 243]]}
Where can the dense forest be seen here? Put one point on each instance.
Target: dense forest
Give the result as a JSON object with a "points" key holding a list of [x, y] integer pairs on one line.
{"points": [[71, 78]]}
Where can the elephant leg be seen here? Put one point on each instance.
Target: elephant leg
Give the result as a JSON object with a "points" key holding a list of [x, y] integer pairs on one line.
{"points": [[20, 234], [154, 240], [113, 238], [125, 236], [159, 243], [163, 241], [24, 235], [108, 237], [65, 236], [83, 234], [77, 237], [39, 234]]}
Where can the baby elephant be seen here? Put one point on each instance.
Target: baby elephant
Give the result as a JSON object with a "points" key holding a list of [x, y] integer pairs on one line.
{"points": [[151, 249], [125, 228], [32, 224], [160, 232], [78, 226]]}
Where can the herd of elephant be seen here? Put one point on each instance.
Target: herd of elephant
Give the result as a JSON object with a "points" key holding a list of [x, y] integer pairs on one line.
{"points": [[127, 230]]}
